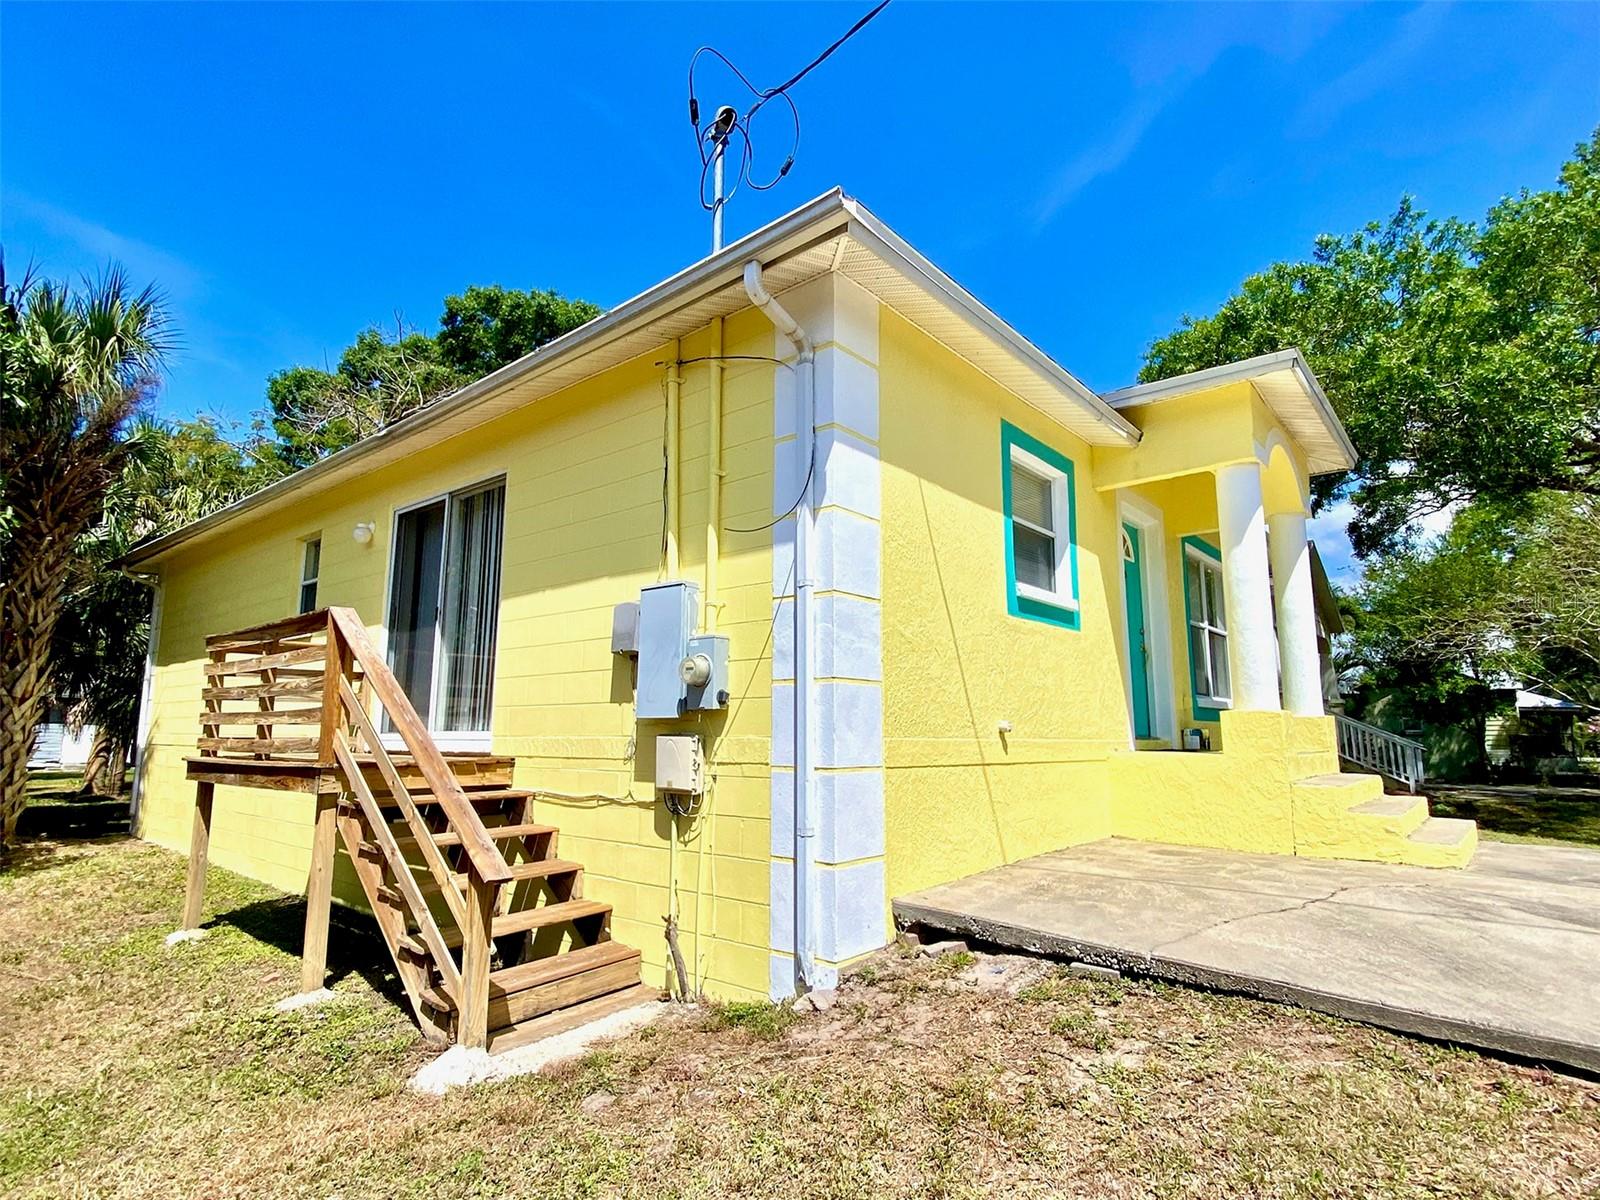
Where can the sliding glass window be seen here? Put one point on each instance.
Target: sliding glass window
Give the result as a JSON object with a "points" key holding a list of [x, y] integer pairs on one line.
{"points": [[444, 605]]}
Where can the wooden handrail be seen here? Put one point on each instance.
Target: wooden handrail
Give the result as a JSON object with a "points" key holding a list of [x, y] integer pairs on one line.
{"points": [[487, 863]]}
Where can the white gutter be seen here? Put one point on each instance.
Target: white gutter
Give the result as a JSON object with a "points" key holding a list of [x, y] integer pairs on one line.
{"points": [[804, 654]]}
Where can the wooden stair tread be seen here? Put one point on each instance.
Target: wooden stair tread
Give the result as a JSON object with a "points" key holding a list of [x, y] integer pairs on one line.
{"points": [[542, 868], [538, 917], [498, 833], [611, 965], [495, 794], [558, 966], [520, 1033]]}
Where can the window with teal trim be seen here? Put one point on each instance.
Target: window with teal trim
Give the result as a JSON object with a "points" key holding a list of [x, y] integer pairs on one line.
{"points": [[1207, 618], [1041, 530]]}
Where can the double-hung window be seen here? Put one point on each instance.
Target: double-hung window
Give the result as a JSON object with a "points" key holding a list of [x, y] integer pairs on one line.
{"points": [[1041, 530], [310, 569], [1208, 628]]}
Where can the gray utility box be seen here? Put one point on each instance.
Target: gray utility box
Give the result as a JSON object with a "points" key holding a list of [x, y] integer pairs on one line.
{"points": [[667, 619]]}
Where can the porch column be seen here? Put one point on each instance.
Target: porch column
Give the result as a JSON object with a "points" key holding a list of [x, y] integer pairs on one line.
{"points": [[1297, 614], [1247, 591]]}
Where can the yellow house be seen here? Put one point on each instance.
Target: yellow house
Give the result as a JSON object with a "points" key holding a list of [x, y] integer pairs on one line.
{"points": [[911, 600]]}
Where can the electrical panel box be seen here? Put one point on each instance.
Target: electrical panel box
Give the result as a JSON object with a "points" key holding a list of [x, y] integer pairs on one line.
{"points": [[667, 618], [680, 766], [705, 673], [625, 628]]}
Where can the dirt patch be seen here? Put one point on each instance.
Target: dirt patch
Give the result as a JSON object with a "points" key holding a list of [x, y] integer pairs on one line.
{"points": [[127, 1069]]}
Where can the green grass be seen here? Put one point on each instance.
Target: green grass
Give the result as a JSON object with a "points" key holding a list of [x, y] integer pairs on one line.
{"points": [[1524, 812], [756, 1017], [128, 1069], [66, 787]]}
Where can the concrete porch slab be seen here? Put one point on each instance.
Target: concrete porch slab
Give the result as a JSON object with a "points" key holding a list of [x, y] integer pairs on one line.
{"points": [[1502, 955]]}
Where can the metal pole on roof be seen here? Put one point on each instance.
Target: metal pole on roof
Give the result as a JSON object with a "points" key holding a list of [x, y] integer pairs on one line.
{"points": [[719, 151]]}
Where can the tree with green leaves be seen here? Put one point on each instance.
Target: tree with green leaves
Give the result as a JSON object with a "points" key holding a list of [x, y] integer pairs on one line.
{"points": [[76, 366], [1464, 359], [383, 376], [175, 472]]}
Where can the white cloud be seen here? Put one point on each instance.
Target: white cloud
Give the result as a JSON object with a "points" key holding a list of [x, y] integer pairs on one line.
{"points": [[1329, 529], [143, 261], [1372, 75], [1099, 158]]}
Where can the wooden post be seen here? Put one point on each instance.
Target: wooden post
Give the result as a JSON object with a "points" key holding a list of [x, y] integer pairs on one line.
{"points": [[194, 894], [336, 664], [319, 898], [472, 1017]]}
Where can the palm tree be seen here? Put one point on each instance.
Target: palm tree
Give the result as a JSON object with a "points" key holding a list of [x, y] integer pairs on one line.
{"points": [[75, 368]]}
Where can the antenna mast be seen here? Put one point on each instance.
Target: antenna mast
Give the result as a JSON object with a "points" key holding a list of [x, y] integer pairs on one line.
{"points": [[718, 137]]}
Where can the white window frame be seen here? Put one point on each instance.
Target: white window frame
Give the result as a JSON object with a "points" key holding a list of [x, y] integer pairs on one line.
{"points": [[1060, 536], [313, 581], [1205, 562]]}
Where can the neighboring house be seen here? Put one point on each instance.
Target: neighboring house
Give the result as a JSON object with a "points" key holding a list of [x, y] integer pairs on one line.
{"points": [[1532, 730], [1013, 597], [1330, 624], [56, 746]]}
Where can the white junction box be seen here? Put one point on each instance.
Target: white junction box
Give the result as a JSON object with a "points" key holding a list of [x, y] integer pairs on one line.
{"points": [[680, 766]]}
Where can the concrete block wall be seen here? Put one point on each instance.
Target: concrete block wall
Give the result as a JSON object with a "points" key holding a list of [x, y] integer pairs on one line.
{"points": [[848, 901]]}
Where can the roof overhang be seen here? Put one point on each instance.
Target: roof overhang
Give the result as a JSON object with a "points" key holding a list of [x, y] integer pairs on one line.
{"points": [[1323, 595], [1288, 388], [831, 233]]}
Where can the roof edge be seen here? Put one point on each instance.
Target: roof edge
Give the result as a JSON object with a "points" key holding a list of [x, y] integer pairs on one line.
{"points": [[1244, 370], [613, 322]]}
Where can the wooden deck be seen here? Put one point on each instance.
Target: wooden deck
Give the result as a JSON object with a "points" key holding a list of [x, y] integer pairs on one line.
{"points": [[458, 875]]}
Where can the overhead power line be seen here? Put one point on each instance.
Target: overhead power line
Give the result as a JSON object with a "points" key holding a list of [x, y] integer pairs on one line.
{"points": [[711, 136]]}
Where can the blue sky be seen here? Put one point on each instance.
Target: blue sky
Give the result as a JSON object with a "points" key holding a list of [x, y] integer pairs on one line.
{"points": [[291, 174]]}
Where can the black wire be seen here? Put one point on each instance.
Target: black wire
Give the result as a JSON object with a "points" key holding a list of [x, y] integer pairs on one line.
{"points": [[823, 57], [742, 126], [784, 516]]}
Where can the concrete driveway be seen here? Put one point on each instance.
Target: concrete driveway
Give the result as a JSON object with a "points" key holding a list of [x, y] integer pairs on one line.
{"points": [[1504, 954]]}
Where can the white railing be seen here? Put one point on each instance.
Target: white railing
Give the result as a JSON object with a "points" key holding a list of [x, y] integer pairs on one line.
{"points": [[1378, 750]]}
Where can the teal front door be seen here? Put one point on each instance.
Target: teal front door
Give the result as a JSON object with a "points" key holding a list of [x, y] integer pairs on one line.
{"points": [[1138, 642]]}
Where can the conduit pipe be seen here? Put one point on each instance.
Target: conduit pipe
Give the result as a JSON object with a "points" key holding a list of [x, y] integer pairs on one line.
{"points": [[714, 476], [674, 391], [804, 652]]}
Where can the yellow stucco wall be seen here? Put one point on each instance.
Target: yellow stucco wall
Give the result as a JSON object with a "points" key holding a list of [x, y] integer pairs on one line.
{"points": [[959, 796], [583, 530]]}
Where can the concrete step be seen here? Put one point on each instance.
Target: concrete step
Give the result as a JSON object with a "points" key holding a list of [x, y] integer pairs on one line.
{"points": [[1335, 792], [1443, 842], [1401, 814], [1308, 763]]}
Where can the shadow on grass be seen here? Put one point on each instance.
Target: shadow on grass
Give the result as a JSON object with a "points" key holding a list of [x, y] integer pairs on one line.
{"points": [[79, 817], [1524, 811], [31, 857], [352, 948]]}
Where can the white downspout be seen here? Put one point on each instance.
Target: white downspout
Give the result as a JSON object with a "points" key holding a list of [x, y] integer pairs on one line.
{"points": [[804, 652], [147, 694]]}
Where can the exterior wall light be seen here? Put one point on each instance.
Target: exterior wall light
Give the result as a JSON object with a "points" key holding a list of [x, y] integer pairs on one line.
{"points": [[363, 532]]}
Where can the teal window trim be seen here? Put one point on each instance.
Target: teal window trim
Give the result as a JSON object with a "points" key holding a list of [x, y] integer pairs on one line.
{"points": [[1032, 608], [1202, 712]]}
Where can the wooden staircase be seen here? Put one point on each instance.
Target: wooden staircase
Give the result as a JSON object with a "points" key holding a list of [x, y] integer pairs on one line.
{"points": [[490, 933]]}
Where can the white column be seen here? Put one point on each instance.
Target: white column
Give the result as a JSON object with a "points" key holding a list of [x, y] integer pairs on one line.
{"points": [[1247, 591], [1297, 614]]}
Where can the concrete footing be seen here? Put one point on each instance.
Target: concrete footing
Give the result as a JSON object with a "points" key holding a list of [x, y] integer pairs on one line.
{"points": [[179, 936], [304, 1000], [460, 1067]]}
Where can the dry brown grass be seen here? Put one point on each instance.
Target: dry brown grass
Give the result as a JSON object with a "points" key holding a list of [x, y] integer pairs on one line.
{"points": [[130, 1070]]}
